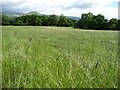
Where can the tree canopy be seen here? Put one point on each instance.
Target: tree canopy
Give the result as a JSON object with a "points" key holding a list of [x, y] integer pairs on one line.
{"points": [[87, 21]]}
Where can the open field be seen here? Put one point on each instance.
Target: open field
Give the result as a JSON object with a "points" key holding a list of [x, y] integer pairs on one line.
{"points": [[58, 57]]}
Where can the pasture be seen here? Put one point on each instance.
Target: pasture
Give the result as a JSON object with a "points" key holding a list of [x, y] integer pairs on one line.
{"points": [[58, 57]]}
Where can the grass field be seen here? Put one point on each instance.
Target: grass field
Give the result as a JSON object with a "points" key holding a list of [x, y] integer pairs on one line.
{"points": [[54, 57]]}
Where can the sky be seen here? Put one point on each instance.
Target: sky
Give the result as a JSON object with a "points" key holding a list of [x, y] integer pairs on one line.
{"points": [[108, 8]]}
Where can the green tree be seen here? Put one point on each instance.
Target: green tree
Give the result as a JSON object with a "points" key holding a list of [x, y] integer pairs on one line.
{"points": [[99, 21], [63, 20], [86, 21], [70, 22], [33, 19], [53, 20], [118, 24], [19, 23], [5, 20], [113, 24], [0, 19], [38, 21], [90, 21], [45, 21]]}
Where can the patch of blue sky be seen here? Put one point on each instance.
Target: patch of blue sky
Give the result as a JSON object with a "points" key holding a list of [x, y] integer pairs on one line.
{"points": [[114, 4]]}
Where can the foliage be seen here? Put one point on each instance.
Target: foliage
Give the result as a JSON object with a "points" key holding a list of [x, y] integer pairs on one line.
{"points": [[113, 24], [90, 21], [19, 23], [87, 21], [53, 20], [63, 20], [5, 20]]}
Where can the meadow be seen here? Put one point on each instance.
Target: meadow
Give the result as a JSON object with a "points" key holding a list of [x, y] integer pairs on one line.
{"points": [[58, 57]]}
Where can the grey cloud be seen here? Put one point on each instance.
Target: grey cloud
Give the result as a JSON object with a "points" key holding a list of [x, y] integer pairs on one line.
{"points": [[79, 6], [119, 4], [10, 7], [119, 10]]}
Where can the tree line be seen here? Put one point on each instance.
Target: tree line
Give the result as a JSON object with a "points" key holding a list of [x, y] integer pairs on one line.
{"points": [[87, 21], [35, 20], [97, 22]]}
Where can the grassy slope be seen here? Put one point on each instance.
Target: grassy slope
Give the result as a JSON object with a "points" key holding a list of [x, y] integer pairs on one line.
{"points": [[59, 57], [0, 57]]}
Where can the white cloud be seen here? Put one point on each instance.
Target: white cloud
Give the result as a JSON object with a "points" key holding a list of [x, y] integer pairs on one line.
{"points": [[58, 6]]}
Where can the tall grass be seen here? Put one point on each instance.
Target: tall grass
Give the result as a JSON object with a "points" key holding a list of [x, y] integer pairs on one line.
{"points": [[0, 57], [52, 57]]}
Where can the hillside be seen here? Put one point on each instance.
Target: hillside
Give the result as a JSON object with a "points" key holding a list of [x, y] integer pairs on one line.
{"points": [[33, 12]]}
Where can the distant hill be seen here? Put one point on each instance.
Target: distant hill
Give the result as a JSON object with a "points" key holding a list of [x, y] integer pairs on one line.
{"points": [[11, 15], [33, 12], [74, 18]]}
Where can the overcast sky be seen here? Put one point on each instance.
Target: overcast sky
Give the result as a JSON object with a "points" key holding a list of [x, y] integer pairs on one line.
{"points": [[108, 8]]}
